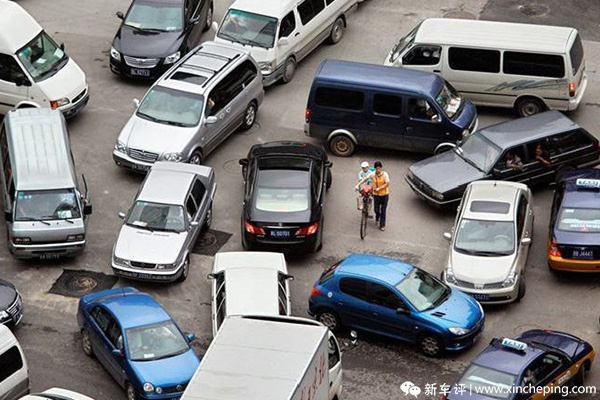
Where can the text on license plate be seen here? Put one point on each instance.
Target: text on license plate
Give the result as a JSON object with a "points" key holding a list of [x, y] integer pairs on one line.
{"points": [[140, 72], [280, 234], [139, 167], [49, 256], [586, 254], [483, 297]]}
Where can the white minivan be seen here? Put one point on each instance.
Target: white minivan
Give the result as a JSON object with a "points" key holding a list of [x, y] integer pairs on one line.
{"points": [[280, 33], [35, 71], [14, 375], [527, 67]]}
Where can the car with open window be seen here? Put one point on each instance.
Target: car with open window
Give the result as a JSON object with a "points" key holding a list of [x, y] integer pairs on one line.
{"points": [[441, 179]]}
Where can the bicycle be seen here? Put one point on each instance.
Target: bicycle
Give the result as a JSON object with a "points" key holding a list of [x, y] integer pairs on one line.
{"points": [[366, 194]]}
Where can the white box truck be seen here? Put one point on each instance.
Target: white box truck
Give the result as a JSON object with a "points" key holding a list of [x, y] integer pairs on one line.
{"points": [[269, 358]]}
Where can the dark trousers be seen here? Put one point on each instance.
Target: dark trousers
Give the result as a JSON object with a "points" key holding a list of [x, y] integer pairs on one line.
{"points": [[381, 203]]}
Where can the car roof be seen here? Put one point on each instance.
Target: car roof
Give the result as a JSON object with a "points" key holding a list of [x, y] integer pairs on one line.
{"points": [[227, 261], [134, 309], [379, 268], [493, 191], [397, 79], [170, 184], [495, 35], [18, 27], [288, 147], [252, 291], [523, 130], [272, 8], [497, 357], [575, 196]]}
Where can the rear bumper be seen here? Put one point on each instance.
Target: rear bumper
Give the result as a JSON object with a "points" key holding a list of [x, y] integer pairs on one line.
{"points": [[47, 251], [308, 244], [563, 264], [574, 102]]}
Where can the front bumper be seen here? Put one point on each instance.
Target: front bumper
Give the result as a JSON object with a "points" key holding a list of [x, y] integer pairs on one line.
{"points": [[121, 68], [123, 160], [147, 275], [464, 342], [491, 296], [47, 251], [74, 109], [571, 265], [273, 77], [426, 197], [15, 312]]}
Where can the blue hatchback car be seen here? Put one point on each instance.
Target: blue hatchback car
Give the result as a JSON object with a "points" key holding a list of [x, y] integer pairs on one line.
{"points": [[395, 299], [139, 344]]}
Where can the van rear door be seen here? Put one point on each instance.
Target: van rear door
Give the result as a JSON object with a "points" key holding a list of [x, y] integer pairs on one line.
{"points": [[576, 68]]}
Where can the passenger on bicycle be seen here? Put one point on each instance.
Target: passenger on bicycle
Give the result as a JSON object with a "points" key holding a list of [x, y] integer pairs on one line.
{"points": [[381, 191], [365, 171]]}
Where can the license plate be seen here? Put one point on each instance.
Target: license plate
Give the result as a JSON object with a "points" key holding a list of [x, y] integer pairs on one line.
{"points": [[482, 297], [583, 254], [145, 276], [140, 72], [139, 167], [49, 256], [280, 234]]}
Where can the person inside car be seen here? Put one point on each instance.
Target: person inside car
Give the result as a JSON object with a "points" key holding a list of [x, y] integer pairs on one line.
{"points": [[513, 161], [542, 155]]}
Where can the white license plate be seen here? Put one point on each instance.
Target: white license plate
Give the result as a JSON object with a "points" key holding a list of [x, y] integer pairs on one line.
{"points": [[140, 72]]}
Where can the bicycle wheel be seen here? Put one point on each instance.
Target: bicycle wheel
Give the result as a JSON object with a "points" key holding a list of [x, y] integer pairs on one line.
{"points": [[363, 222]]}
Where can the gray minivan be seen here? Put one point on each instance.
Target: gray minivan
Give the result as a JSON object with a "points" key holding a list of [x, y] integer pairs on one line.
{"points": [[354, 104], [44, 208]]}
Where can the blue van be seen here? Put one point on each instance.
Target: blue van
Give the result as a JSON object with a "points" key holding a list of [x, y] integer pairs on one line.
{"points": [[354, 104]]}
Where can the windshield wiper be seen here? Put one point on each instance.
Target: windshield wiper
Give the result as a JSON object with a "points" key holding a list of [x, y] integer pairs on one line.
{"points": [[148, 117], [440, 299], [176, 123], [34, 219], [255, 43]]}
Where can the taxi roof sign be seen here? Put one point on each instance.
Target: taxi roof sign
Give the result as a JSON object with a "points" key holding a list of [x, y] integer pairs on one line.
{"points": [[588, 183], [514, 344]]}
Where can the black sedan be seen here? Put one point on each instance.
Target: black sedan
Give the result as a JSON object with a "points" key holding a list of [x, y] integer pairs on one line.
{"points": [[529, 150], [285, 186], [155, 34], [11, 305]]}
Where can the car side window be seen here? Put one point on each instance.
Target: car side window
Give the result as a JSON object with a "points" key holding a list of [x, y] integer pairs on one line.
{"points": [[317, 179], [198, 191], [102, 318], [476, 60], [10, 71], [288, 25], [334, 352], [382, 296], [423, 55], [421, 109], [543, 370], [521, 214], [10, 363], [114, 334], [567, 142], [283, 295], [310, 9], [341, 99], [191, 208], [230, 86], [220, 298], [354, 287], [386, 104]]}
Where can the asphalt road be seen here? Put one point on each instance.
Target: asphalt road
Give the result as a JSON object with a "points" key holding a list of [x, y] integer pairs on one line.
{"points": [[378, 366]]}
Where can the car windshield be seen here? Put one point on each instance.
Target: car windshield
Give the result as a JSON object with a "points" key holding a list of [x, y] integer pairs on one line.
{"points": [[282, 191], [171, 107], [479, 152], [157, 217], [154, 342], [485, 238], [488, 382], [248, 28], [155, 17], [42, 57], [44, 205], [422, 290], [585, 220], [449, 100], [403, 44]]}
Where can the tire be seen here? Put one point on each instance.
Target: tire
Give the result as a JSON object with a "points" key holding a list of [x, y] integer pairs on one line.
{"points": [[195, 158], [185, 270], [337, 31], [208, 220], [330, 319], [581, 377], [209, 17], [86, 344], [130, 392], [430, 345], [522, 290], [528, 106], [443, 149], [249, 117], [342, 146], [363, 222], [329, 179], [289, 70]]}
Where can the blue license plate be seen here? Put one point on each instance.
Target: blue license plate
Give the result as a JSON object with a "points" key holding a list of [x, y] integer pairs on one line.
{"points": [[583, 254], [482, 297], [280, 234]]}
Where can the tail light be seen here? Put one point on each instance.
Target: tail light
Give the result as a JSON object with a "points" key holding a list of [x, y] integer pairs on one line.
{"points": [[307, 115], [253, 229], [308, 230], [444, 397], [572, 88], [315, 292], [553, 250]]}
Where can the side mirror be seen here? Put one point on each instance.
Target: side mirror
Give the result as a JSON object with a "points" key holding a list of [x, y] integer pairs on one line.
{"points": [[526, 241], [136, 103], [22, 81], [402, 311], [8, 217], [214, 26], [328, 164], [243, 162], [210, 120], [62, 46], [194, 21], [288, 276], [120, 15], [447, 235], [194, 223], [350, 344], [122, 215], [117, 353], [87, 209], [283, 42], [436, 119], [211, 276], [190, 337]]}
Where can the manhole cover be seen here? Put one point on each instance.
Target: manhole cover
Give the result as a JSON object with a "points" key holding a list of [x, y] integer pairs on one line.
{"points": [[233, 167], [534, 10], [460, 14], [211, 242], [77, 283]]}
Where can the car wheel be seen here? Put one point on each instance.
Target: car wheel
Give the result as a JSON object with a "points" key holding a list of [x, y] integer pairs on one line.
{"points": [[130, 391], [342, 146], [431, 345], [249, 117], [337, 31], [208, 220], [329, 179], [86, 344], [195, 158], [581, 377], [522, 290], [289, 70], [528, 106], [209, 17], [329, 319], [185, 270], [443, 149]]}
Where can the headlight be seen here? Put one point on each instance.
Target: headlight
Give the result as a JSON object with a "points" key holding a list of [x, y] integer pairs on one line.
{"points": [[449, 275], [465, 134], [121, 261], [437, 195], [268, 66], [21, 240], [115, 54], [59, 103], [4, 315], [172, 58], [148, 387], [510, 280], [158, 390], [75, 238], [120, 146], [176, 157], [458, 331], [166, 266]]}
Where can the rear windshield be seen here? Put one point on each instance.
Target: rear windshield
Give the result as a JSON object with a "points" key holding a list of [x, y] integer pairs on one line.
{"points": [[282, 191], [584, 220], [576, 54]]}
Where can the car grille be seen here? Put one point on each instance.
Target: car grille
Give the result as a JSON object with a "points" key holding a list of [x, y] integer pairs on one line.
{"points": [[143, 155], [79, 96], [469, 285], [15, 307], [422, 186], [174, 389], [136, 264], [141, 62]]}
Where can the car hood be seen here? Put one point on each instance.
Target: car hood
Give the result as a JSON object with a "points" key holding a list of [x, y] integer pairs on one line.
{"points": [[577, 238], [68, 82], [481, 270], [131, 42], [8, 294], [167, 372], [260, 54], [467, 115], [149, 247], [445, 172], [151, 136], [459, 310]]}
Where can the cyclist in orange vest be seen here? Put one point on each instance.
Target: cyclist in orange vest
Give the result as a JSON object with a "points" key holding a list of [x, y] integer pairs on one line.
{"points": [[381, 192]]}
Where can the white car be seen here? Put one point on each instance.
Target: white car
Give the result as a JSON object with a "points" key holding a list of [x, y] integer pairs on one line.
{"points": [[490, 241], [56, 394], [249, 283]]}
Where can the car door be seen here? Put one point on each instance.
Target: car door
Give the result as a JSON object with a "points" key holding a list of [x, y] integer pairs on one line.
{"points": [[503, 172], [424, 130], [387, 120], [117, 363], [351, 304], [313, 21], [571, 149], [524, 217], [289, 29], [218, 105], [191, 208], [536, 172], [335, 365], [14, 85], [97, 330], [389, 314], [424, 57], [202, 198], [546, 372]]}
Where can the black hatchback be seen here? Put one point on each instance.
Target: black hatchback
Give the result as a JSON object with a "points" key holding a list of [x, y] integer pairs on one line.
{"points": [[11, 305], [155, 34], [285, 186], [505, 152]]}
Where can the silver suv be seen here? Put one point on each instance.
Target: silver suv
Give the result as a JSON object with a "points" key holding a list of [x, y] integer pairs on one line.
{"points": [[160, 230], [213, 91]]}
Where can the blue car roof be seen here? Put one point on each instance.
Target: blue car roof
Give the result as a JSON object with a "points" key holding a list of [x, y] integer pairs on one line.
{"points": [[392, 78], [384, 269], [506, 360]]}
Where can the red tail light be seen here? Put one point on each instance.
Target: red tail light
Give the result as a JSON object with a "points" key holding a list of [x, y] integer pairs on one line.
{"points": [[253, 229], [572, 88], [553, 250], [444, 397], [308, 230], [307, 115], [315, 292]]}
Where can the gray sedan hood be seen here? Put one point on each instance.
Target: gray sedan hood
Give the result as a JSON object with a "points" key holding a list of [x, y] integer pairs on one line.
{"points": [[155, 137]]}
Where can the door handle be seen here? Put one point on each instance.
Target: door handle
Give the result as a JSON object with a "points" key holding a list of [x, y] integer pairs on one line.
{"points": [[437, 70], [340, 303], [297, 34], [376, 314]]}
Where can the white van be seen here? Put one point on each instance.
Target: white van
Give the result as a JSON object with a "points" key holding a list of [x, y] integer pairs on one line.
{"points": [[529, 67], [14, 375], [280, 33], [34, 70]]}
